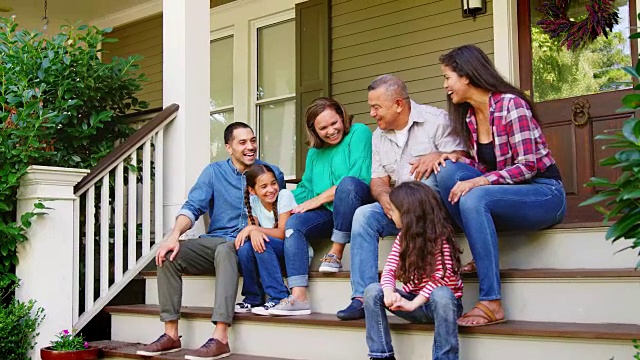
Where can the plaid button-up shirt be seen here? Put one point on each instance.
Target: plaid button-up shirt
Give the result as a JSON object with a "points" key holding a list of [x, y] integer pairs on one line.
{"points": [[520, 147]]}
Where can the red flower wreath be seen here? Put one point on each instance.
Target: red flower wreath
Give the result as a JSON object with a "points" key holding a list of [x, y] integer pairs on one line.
{"points": [[602, 15]]}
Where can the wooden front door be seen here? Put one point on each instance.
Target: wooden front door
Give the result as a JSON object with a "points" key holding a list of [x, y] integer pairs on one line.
{"points": [[576, 96]]}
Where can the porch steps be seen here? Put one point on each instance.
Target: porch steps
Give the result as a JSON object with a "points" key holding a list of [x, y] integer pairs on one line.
{"points": [[324, 336], [528, 294], [117, 350]]}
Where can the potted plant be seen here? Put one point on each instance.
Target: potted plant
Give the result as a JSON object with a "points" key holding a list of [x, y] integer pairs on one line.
{"points": [[69, 345]]}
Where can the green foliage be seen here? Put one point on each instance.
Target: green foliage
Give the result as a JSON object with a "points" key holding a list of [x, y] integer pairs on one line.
{"points": [[60, 105], [621, 197], [18, 324], [595, 67], [69, 341]]}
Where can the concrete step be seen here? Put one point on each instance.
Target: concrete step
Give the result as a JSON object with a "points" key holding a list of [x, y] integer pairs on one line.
{"points": [[322, 336], [117, 350], [566, 295]]}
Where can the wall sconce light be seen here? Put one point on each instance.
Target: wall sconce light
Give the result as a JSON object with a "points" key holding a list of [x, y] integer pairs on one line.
{"points": [[473, 8]]}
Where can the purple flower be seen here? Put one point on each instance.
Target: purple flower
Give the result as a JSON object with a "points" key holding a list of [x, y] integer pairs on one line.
{"points": [[86, 345], [65, 332]]}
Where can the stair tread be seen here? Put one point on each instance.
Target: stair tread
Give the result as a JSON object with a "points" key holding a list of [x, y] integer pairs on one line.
{"points": [[504, 274], [128, 350], [605, 331]]}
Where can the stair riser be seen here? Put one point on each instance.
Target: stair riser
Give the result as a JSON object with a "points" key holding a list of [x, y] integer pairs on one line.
{"points": [[305, 342], [563, 300]]}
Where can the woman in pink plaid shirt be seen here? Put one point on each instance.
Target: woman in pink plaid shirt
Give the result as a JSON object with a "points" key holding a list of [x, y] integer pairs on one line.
{"points": [[510, 182]]}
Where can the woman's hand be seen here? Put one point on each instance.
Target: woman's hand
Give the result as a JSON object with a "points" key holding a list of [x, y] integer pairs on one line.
{"points": [[307, 205], [454, 157], [257, 240], [463, 187], [243, 235]]}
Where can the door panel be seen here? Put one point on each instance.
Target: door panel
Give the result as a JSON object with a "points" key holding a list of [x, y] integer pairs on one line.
{"points": [[558, 80]]}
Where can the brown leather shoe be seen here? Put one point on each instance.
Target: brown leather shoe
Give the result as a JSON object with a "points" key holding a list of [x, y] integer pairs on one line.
{"points": [[164, 344], [211, 350]]}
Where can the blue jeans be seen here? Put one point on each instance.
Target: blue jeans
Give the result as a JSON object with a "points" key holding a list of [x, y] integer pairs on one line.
{"points": [[528, 206], [321, 223], [369, 224], [262, 273], [442, 309]]}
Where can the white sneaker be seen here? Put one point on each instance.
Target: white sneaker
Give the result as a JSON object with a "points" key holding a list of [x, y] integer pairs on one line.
{"points": [[264, 309], [330, 263], [291, 306], [242, 307]]}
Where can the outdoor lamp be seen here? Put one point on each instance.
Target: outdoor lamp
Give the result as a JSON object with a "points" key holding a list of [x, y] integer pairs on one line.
{"points": [[472, 8]]}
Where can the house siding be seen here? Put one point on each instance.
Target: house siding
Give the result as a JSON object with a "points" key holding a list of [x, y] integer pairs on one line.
{"points": [[142, 38], [404, 37]]}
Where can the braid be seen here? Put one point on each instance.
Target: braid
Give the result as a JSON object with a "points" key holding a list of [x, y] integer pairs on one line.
{"points": [[247, 203], [275, 212]]}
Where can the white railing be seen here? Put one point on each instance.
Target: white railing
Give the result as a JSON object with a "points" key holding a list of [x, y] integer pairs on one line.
{"points": [[110, 211]]}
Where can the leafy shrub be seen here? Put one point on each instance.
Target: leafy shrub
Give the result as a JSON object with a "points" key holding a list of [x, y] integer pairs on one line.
{"points": [[60, 105], [18, 324]]}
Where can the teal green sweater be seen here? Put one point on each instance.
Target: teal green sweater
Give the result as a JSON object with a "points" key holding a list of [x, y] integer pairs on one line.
{"points": [[326, 167]]}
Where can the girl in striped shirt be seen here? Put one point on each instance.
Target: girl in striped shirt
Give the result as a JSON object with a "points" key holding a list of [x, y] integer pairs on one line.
{"points": [[426, 259]]}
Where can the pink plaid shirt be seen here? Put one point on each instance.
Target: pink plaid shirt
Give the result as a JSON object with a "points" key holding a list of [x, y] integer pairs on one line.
{"points": [[520, 147]]}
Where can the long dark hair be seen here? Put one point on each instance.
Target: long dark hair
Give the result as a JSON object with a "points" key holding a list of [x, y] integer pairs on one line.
{"points": [[471, 62], [252, 174], [317, 107], [425, 230]]}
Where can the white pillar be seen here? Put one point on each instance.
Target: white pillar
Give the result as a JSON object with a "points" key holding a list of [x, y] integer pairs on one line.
{"points": [[186, 83], [505, 39], [46, 260]]}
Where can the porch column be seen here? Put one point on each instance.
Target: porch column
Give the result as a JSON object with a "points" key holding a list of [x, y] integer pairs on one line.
{"points": [[47, 261], [186, 83]]}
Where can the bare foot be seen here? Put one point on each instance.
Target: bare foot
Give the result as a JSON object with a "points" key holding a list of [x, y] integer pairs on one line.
{"points": [[484, 313]]}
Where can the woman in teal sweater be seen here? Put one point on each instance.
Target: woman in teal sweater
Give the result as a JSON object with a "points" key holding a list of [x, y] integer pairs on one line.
{"points": [[335, 183]]}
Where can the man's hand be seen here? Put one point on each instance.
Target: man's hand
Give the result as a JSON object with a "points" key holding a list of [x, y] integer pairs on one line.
{"points": [[385, 202], [257, 240], [423, 166], [454, 157], [463, 187], [390, 297], [170, 243]]}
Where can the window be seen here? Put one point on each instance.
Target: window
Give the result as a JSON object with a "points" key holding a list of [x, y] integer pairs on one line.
{"points": [[275, 95], [221, 94]]}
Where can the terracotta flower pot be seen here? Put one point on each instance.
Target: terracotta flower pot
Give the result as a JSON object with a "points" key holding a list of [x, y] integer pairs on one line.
{"points": [[88, 354]]}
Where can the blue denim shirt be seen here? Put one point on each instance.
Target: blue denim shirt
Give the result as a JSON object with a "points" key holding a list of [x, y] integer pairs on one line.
{"points": [[219, 191]]}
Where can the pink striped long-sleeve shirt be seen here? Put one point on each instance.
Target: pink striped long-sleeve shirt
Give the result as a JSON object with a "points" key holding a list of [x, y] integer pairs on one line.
{"points": [[425, 285]]}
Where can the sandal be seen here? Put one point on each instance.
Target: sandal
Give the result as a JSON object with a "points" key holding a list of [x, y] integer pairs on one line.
{"points": [[486, 314], [469, 267]]}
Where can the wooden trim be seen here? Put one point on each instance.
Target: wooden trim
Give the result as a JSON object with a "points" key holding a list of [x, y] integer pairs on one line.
{"points": [[120, 349], [111, 160], [629, 273], [510, 328], [524, 46]]}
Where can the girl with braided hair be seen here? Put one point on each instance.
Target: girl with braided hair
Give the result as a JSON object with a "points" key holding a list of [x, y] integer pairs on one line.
{"points": [[260, 245]]}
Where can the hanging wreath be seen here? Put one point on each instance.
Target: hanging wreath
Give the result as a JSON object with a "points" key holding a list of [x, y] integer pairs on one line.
{"points": [[602, 15]]}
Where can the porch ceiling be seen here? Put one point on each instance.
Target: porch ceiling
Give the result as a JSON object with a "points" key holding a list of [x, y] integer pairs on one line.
{"points": [[82, 10]]}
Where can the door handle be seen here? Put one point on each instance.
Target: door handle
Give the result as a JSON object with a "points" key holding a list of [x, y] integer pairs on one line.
{"points": [[580, 112]]}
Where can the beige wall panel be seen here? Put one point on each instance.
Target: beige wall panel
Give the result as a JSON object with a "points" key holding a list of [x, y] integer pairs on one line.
{"points": [[142, 38], [436, 46], [352, 6], [431, 83], [421, 72], [399, 28], [446, 29], [369, 71], [336, 2], [388, 7]]}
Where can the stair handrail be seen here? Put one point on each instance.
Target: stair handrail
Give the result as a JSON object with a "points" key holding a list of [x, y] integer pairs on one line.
{"points": [[150, 133]]}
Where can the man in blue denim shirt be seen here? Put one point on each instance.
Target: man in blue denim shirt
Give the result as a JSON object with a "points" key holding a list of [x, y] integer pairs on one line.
{"points": [[219, 191]]}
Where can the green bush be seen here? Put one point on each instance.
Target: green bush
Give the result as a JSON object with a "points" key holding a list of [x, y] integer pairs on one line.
{"points": [[60, 105], [18, 324]]}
